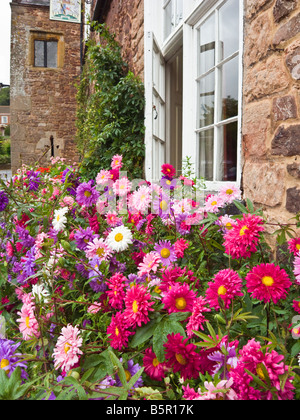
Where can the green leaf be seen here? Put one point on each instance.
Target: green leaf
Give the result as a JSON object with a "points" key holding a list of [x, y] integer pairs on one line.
{"points": [[240, 206], [143, 333], [119, 367], [134, 379], [163, 329]]}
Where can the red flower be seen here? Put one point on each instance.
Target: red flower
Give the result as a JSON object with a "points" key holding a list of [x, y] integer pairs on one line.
{"points": [[118, 332], [153, 368], [138, 305], [168, 170]]}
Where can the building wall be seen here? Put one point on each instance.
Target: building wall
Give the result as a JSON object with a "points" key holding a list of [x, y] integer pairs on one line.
{"points": [[271, 106], [43, 101]]}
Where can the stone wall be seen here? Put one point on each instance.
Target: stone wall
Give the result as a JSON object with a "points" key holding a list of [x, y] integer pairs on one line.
{"points": [[271, 107], [43, 101], [126, 19]]}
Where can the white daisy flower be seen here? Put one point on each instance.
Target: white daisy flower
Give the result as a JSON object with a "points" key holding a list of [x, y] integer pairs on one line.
{"points": [[39, 291], [59, 219], [119, 238]]}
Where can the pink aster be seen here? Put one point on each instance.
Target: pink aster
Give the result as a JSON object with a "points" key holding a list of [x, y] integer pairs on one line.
{"points": [[226, 285], [180, 246], [268, 282], [98, 248], [29, 326], [152, 367], [141, 199], [214, 203], [229, 193], [150, 263], [116, 162], [294, 246], [179, 298], [113, 220], [296, 269], [122, 186], [116, 293], [103, 177], [67, 348], [137, 306], [258, 362], [296, 305], [182, 357], [241, 241], [197, 319], [118, 332]]}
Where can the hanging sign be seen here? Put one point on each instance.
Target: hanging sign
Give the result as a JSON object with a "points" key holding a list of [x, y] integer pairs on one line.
{"points": [[65, 10]]}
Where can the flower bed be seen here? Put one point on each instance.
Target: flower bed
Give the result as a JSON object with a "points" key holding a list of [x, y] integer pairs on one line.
{"points": [[122, 289]]}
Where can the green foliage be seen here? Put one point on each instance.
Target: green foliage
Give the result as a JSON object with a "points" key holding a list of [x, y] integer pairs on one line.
{"points": [[4, 150], [110, 116], [5, 96]]}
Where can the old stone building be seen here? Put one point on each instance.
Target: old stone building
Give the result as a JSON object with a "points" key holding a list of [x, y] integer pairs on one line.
{"points": [[45, 65], [222, 81]]}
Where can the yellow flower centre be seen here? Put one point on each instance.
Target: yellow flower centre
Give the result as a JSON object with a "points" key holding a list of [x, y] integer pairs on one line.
{"points": [[165, 253], [127, 375], [229, 191], [58, 217], [222, 291], [67, 347], [100, 253], [158, 291], [163, 205], [155, 362], [117, 331], [27, 319], [298, 246], [4, 363], [180, 303], [180, 359], [119, 237], [116, 162], [135, 307], [228, 226], [87, 194], [242, 231], [268, 281], [260, 372], [168, 182], [214, 203]]}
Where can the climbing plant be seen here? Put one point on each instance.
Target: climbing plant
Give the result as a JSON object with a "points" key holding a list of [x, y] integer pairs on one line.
{"points": [[110, 113]]}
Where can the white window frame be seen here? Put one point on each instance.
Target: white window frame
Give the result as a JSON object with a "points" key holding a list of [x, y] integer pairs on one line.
{"points": [[176, 16], [4, 119], [191, 108]]}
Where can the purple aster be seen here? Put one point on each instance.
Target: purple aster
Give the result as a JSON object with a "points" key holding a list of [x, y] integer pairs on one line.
{"points": [[162, 205], [166, 252], [225, 358], [167, 183], [24, 237], [72, 181], [33, 180], [116, 266], [86, 194], [131, 370], [3, 200], [9, 359], [83, 237], [29, 263], [182, 227], [19, 270], [82, 270], [97, 279]]}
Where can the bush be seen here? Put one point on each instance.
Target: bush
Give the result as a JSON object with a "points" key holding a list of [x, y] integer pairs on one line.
{"points": [[111, 290]]}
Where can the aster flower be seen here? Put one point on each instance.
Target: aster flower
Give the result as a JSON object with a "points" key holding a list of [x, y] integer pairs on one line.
{"points": [[131, 370], [221, 391], [141, 199], [296, 305], [296, 269], [103, 177], [225, 358], [182, 357], [180, 246], [86, 194], [226, 285], [138, 304], [161, 205], [97, 279], [268, 282], [230, 192], [118, 333], [294, 246], [261, 363], [168, 170], [122, 186], [241, 241], [168, 183], [179, 298], [67, 350], [10, 359], [182, 224], [98, 248], [166, 252], [226, 223], [83, 237], [33, 180], [40, 293], [182, 206], [116, 294], [59, 219], [116, 162], [119, 238], [214, 203], [197, 319], [3, 200], [28, 324], [152, 367], [150, 263]]}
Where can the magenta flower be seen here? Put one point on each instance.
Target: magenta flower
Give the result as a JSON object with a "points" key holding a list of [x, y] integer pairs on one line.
{"points": [[226, 285], [138, 304], [166, 252], [118, 332], [153, 368], [179, 298]]}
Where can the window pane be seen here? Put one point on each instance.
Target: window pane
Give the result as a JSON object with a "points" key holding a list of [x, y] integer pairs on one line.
{"points": [[206, 154], [39, 53], [179, 11], [229, 28], [169, 18], [51, 54], [207, 45], [230, 76], [229, 137], [207, 99]]}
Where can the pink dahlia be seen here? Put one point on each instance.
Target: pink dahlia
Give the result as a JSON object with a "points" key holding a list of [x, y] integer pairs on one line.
{"points": [[137, 306], [67, 348], [182, 357], [179, 298], [241, 241], [197, 319], [118, 332], [226, 285], [29, 326], [294, 246], [116, 294], [268, 282], [153, 368], [269, 367]]}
